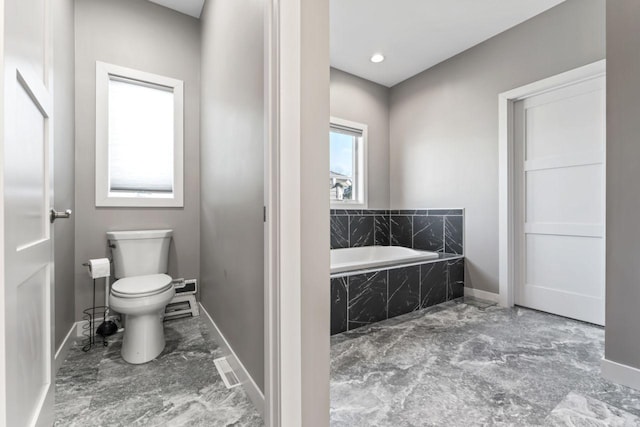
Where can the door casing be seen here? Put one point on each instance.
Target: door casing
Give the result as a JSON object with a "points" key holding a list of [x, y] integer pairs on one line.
{"points": [[507, 205]]}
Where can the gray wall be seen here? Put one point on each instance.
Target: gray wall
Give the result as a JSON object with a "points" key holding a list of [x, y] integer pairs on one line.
{"points": [[622, 334], [359, 100], [444, 121], [141, 35], [232, 134], [63, 157]]}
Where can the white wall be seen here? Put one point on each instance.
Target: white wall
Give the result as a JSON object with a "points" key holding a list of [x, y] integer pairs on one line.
{"points": [[444, 121], [356, 99], [622, 334], [141, 35], [232, 156], [302, 211], [314, 211], [64, 168]]}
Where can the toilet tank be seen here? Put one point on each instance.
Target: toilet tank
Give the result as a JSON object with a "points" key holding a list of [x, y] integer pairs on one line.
{"points": [[139, 252]]}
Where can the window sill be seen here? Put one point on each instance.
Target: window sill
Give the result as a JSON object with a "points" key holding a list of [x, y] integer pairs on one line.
{"points": [[140, 200], [347, 205]]}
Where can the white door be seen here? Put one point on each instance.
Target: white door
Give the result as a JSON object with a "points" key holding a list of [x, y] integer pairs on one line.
{"points": [[27, 134], [560, 186]]}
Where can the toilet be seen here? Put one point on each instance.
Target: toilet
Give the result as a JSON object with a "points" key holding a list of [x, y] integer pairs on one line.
{"points": [[142, 291]]}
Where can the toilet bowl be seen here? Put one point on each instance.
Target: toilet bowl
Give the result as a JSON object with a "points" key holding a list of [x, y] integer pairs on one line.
{"points": [[142, 300], [142, 291]]}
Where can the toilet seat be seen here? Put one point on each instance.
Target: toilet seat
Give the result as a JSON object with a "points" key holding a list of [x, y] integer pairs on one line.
{"points": [[141, 286]]}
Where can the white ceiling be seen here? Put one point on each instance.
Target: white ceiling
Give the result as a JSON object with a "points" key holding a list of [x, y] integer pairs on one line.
{"points": [[415, 35], [188, 7]]}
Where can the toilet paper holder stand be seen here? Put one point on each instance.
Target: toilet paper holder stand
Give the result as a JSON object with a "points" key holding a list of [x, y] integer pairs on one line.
{"points": [[90, 314], [86, 264]]}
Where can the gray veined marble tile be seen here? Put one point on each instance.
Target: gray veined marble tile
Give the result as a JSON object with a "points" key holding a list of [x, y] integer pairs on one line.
{"points": [[180, 387], [578, 410], [472, 364]]}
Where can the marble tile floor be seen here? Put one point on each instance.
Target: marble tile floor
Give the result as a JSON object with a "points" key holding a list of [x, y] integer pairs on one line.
{"points": [[471, 363], [181, 387]]}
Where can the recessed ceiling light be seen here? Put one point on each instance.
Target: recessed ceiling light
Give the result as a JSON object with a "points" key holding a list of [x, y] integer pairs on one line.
{"points": [[377, 58]]}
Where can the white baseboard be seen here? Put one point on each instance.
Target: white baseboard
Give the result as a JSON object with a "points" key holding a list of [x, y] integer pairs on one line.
{"points": [[477, 293], [620, 374], [63, 350], [249, 385]]}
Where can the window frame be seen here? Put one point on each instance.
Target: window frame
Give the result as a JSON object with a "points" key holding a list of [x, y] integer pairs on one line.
{"points": [[107, 198], [361, 170]]}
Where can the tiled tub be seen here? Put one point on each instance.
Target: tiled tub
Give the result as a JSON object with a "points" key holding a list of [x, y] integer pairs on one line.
{"points": [[360, 297]]}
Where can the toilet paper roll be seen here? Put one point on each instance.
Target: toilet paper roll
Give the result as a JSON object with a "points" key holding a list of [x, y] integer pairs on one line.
{"points": [[99, 268]]}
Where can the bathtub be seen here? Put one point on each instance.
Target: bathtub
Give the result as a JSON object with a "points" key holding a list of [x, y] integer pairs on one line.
{"points": [[369, 257]]}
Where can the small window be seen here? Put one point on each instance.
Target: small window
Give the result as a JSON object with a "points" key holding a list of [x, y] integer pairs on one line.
{"points": [[139, 132], [348, 171]]}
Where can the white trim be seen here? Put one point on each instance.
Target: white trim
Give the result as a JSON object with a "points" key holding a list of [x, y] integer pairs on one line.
{"points": [[249, 385], [103, 195], [288, 315], [63, 350], [272, 404], [480, 294], [620, 374], [575, 159], [584, 230], [506, 206], [3, 335], [35, 88], [362, 170]]}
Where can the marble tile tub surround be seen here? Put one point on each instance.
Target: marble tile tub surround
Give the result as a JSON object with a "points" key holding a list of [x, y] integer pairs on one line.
{"points": [[471, 363], [179, 388], [437, 230], [364, 298]]}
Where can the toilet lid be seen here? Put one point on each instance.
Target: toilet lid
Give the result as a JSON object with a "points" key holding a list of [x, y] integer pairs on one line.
{"points": [[138, 286]]}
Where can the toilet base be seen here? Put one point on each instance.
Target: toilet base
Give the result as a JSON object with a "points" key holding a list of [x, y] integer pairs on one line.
{"points": [[143, 337], [144, 330]]}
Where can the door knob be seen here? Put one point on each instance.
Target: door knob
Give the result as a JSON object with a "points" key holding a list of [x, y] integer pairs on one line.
{"points": [[53, 214]]}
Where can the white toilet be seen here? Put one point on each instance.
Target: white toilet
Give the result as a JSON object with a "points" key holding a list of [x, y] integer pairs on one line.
{"points": [[143, 290]]}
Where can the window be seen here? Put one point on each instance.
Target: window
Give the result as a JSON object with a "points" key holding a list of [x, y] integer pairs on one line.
{"points": [[348, 169], [139, 138]]}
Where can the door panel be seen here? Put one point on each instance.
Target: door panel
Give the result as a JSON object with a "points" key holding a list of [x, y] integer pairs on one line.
{"points": [[27, 32], [32, 366], [559, 262], [560, 177], [26, 173], [565, 195], [28, 125], [557, 127]]}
